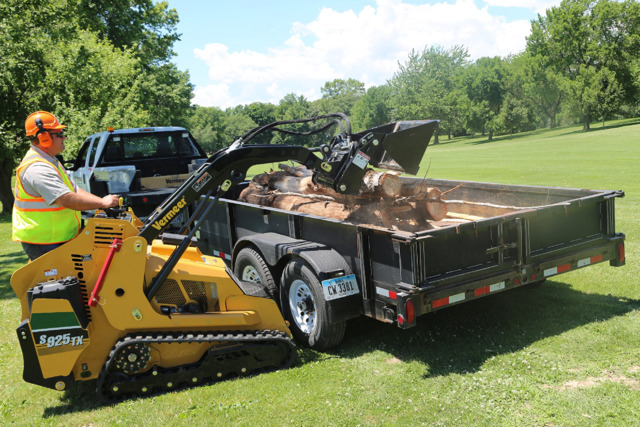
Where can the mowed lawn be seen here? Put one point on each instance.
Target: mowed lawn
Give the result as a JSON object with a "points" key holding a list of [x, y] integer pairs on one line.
{"points": [[567, 353]]}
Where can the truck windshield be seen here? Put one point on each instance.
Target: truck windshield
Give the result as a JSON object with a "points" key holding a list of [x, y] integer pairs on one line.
{"points": [[148, 146]]}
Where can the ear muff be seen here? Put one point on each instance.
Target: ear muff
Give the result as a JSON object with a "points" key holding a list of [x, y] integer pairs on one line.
{"points": [[44, 137]]}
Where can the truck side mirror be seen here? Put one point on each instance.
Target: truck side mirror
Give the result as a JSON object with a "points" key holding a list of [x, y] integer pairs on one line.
{"points": [[69, 165]]}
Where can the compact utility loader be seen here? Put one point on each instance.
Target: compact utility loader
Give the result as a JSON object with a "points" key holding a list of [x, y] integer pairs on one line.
{"points": [[143, 310]]}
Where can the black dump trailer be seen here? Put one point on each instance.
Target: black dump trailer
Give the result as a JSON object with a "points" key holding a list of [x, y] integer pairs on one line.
{"points": [[494, 238]]}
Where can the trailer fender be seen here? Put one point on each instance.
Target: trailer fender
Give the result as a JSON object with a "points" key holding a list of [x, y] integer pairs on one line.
{"points": [[325, 262]]}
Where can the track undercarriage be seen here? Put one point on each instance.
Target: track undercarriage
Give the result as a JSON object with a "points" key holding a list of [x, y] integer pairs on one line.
{"points": [[127, 371]]}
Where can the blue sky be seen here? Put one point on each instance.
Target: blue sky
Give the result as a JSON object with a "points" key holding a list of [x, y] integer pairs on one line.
{"points": [[244, 51]]}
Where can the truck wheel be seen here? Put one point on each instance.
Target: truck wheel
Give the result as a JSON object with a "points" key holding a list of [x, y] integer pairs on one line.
{"points": [[251, 267], [303, 305]]}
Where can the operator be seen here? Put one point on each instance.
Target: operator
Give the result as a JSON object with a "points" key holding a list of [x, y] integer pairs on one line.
{"points": [[46, 211]]}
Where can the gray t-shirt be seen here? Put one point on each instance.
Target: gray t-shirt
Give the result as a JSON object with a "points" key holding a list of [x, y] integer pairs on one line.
{"points": [[40, 179]]}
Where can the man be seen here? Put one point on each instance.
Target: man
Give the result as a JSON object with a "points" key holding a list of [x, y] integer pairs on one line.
{"points": [[46, 211]]}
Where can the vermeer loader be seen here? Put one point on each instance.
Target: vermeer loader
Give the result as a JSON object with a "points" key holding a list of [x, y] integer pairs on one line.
{"points": [[142, 310]]}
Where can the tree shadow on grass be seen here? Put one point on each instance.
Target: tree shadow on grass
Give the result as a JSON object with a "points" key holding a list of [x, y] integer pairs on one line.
{"points": [[455, 340], [8, 264], [461, 338], [598, 126], [555, 133], [82, 395]]}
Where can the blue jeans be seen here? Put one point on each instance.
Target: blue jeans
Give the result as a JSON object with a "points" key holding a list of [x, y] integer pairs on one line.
{"points": [[34, 251]]}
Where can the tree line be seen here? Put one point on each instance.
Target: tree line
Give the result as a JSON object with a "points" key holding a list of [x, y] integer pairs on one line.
{"points": [[98, 64], [581, 64]]}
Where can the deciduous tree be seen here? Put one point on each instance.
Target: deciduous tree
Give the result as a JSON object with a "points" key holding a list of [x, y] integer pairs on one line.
{"points": [[425, 86], [585, 40], [94, 64]]}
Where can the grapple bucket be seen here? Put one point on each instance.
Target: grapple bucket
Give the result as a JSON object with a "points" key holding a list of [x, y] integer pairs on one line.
{"points": [[404, 144]]}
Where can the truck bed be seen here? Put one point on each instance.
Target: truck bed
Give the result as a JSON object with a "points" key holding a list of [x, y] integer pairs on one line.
{"points": [[495, 237]]}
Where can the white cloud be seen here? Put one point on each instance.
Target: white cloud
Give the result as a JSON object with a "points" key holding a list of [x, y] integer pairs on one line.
{"points": [[366, 45], [210, 95], [539, 6]]}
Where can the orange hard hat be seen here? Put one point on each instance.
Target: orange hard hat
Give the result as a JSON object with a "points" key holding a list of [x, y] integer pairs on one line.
{"points": [[41, 121]]}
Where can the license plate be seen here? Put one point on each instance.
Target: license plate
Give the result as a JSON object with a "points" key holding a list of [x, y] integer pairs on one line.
{"points": [[340, 287]]}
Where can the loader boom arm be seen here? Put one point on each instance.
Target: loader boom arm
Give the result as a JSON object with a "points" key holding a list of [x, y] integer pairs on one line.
{"points": [[218, 174], [341, 164]]}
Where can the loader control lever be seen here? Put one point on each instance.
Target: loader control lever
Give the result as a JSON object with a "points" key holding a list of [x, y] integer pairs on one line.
{"points": [[118, 211]]}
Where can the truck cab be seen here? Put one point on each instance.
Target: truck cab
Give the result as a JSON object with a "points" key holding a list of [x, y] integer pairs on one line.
{"points": [[143, 165]]}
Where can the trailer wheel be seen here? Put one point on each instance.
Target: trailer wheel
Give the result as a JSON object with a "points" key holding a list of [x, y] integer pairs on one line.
{"points": [[251, 267], [304, 306]]}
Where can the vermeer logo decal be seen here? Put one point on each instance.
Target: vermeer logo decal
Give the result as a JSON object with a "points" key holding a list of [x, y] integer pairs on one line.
{"points": [[175, 210]]}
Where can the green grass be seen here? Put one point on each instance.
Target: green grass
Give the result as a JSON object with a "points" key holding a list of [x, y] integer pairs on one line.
{"points": [[567, 353]]}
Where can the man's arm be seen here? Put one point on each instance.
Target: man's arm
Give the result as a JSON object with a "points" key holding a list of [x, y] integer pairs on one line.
{"points": [[84, 201]]}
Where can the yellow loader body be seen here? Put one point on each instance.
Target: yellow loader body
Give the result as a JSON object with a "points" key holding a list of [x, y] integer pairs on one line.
{"points": [[65, 338]]}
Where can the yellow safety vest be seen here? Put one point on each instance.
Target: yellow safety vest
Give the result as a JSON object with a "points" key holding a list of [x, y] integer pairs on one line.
{"points": [[34, 220]]}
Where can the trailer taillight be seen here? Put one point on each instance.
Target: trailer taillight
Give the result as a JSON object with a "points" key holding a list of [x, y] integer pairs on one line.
{"points": [[409, 309], [621, 252], [409, 313]]}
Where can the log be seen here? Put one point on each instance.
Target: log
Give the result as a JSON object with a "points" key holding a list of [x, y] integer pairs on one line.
{"points": [[383, 184], [299, 171], [415, 190], [432, 204], [294, 184], [311, 206], [383, 201]]}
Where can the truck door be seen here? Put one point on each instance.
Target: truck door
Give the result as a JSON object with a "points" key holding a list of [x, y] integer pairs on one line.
{"points": [[83, 167]]}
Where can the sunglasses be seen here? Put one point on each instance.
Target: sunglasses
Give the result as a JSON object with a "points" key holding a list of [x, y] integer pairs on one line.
{"points": [[58, 134]]}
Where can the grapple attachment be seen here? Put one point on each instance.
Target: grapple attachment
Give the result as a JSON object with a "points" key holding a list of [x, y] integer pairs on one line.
{"points": [[405, 145], [397, 146]]}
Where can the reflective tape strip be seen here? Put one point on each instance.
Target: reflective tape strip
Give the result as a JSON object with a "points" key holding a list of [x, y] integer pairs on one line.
{"points": [[588, 261], [456, 298], [557, 270], [221, 255], [481, 291], [448, 300], [35, 205], [497, 286], [462, 296], [386, 293], [489, 288], [440, 302]]}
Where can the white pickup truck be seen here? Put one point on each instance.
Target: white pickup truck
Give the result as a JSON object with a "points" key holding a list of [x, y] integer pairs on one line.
{"points": [[143, 165]]}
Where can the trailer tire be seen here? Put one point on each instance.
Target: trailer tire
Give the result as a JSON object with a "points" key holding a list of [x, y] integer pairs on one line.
{"points": [[250, 267], [303, 304]]}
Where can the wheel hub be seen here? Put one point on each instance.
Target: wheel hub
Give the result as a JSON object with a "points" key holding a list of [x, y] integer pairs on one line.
{"points": [[303, 306], [250, 274], [133, 358]]}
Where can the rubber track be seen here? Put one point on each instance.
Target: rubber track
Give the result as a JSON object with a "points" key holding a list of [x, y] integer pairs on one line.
{"points": [[238, 354]]}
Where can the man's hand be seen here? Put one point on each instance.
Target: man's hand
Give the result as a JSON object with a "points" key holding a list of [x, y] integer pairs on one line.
{"points": [[85, 201], [110, 201]]}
